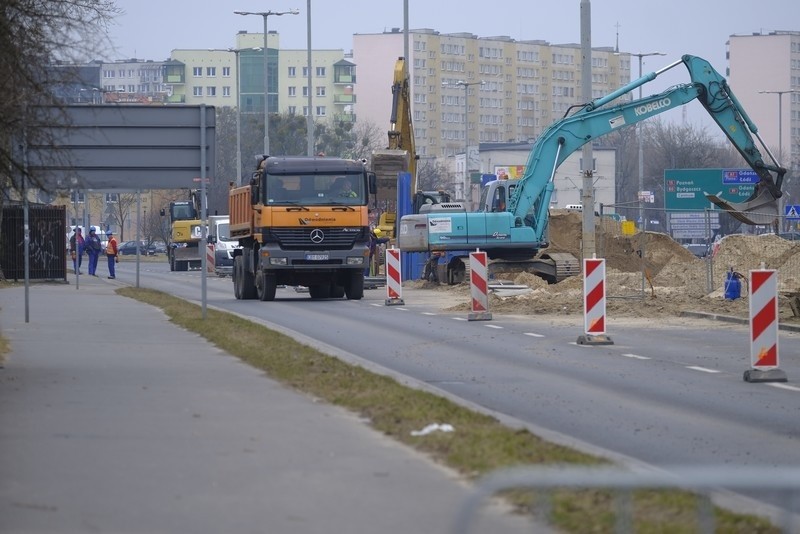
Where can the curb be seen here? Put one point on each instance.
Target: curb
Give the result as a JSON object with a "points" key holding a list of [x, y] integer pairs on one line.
{"points": [[732, 319]]}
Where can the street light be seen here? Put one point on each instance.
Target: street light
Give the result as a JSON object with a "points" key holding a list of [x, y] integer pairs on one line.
{"points": [[236, 53], [639, 136], [780, 115], [780, 119], [266, 15], [465, 85]]}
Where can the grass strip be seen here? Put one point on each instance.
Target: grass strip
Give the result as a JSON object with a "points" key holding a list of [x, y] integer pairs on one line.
{"points": [[479, 445]]}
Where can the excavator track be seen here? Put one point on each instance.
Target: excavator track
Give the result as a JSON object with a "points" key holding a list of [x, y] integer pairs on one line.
{"points": [[553, 267]]}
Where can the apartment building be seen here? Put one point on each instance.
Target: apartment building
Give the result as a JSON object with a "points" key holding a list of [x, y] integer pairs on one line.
{"points": [[764, 73], [133, 81], [468, 90]]}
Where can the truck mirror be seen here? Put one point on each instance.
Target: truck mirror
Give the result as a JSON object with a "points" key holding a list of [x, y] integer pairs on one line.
{"points": [[373, 183], [212, 239], [162, 212]]}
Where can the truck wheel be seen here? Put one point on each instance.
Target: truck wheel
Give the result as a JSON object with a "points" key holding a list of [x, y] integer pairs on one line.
{"points": [[237, 277], [319, 291], [181, 265], [266, 284], [355, 286], [337, 291], [248, 282]]}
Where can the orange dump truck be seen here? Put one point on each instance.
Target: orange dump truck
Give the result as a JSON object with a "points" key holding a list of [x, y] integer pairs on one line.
{"points": [[302, 221]]}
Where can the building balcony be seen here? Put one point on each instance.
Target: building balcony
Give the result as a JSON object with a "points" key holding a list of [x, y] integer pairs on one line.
{"points": [[344, 117], [176, 99], [344, 78], [344, 99], [174, 78]]}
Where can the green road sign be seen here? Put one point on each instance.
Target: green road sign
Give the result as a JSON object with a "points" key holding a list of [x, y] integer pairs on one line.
{"points": [[685, 189]]}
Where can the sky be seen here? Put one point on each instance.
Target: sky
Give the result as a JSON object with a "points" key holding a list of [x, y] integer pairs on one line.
{"points": [[151, 29]]}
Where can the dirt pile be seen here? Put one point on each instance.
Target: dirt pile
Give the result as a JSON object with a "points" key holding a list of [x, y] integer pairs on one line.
{"points": [[674, 279]]}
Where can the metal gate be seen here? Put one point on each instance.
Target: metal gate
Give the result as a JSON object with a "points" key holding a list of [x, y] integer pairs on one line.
{"points": [[48, 242]]}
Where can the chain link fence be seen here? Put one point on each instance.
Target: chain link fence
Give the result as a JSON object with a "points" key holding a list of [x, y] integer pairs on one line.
{"points": [[717, 243]]}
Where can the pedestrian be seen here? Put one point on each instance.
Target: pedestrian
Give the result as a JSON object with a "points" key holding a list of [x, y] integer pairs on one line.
{"points": [[93, 248], [375, 239], [76, 249], [112, 253]]}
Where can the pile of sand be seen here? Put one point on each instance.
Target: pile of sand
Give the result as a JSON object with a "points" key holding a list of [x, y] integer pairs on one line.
{"points": [[673, 278]]}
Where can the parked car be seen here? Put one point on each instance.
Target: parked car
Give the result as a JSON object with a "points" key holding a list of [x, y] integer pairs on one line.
{"points": [[129, 248], [698, 249], [158, 247]]}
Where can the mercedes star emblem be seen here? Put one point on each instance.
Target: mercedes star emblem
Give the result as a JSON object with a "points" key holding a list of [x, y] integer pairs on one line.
{"points": [[317, 236]]}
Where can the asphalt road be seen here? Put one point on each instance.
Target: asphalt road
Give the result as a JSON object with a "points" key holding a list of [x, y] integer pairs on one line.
{"points": [[665, 393]]}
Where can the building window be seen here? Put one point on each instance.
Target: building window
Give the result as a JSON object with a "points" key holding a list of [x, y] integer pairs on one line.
{"points": [[320, 111], [292, 90], [305, 91], [197, 71], [292, 72], [211, 71], [112, 198], [292, 110], [305, 111], [226, 90], [321, 91], [108, 74], [320, 72], [197, 91], [211, 91], [305, 72], [77, 197], [226, 72]]}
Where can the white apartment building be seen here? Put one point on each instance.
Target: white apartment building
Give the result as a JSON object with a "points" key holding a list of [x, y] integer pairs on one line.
{"points": [[764, 74]]}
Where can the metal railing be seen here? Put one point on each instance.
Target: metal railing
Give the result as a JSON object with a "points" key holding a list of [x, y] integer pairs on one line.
{"points": [[709, 483]]}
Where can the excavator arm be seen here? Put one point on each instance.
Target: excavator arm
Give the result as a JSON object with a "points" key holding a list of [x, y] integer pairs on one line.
{"points": [[564, 137]]}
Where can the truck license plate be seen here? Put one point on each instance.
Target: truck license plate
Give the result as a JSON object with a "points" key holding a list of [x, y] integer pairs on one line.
{"points": [[316, 257]]}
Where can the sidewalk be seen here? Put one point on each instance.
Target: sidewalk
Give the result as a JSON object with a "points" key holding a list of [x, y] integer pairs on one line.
{"points": [[114, 420]]}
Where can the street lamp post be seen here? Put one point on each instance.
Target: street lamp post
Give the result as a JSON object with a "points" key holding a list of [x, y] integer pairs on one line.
{"points": [[466, 86], [641, 146], [266, 15], [780, 121], [236, 53]]}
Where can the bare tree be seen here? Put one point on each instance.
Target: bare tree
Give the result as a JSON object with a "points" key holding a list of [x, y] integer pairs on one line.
{"points": [[368, 137]]}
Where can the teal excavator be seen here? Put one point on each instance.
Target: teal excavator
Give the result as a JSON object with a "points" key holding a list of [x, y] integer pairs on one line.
{"points": [[519, 231]]}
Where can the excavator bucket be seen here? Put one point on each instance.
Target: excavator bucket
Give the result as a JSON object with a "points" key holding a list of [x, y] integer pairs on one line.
{"points": [[760, 209]]}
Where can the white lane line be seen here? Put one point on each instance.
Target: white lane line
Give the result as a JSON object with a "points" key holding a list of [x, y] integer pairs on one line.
{"points": [[428, 313], [636, 356], [783, 386], [459, 318], [702, 369], [376, 304], [532, 334], [493, 326], [402, 309]]}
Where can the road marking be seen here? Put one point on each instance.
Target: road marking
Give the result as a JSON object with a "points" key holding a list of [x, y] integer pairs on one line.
{"points": [[532, 334], [636, 356], [402, 309], [376, 305], [428, 313], [459, 318], [493, 326], [702, 369], [783, 386]]}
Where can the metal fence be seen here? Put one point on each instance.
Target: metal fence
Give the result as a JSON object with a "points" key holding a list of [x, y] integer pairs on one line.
{"points": [[720, 243], [710, 484], [48, 244]]}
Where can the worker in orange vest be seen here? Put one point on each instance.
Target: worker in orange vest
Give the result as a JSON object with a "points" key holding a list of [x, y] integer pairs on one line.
{"points": [[112, 251]]}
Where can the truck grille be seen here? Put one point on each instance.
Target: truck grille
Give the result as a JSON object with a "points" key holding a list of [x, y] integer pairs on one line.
{"points": [[332, 238]]}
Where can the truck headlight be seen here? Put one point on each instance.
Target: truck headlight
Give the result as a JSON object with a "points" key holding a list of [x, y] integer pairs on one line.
{"points": [[355, 260], [278, 261]]}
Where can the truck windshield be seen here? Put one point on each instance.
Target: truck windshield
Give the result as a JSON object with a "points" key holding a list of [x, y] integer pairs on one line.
{"points": [[316, 189]]}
